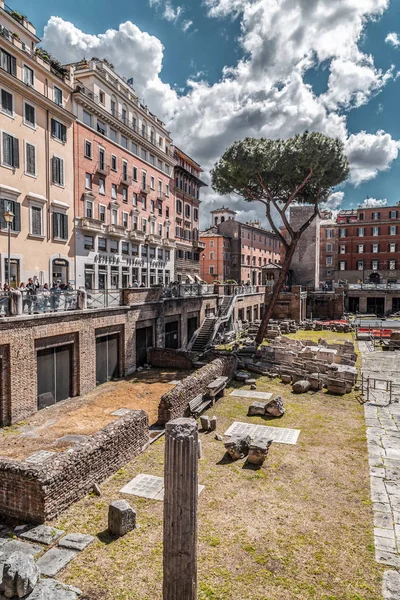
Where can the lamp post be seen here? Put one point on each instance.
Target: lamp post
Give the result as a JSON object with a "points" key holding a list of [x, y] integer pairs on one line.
{"points": [[8, 217]]}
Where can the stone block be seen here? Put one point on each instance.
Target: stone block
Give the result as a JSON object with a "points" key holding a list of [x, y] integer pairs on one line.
{"points": [[20, 575], [205, 423], [258, 451], [300, 387], [286, 378], [50, 589], [54, 560], [275, 407], [43, 534], [121, 518], [242, 376], [336, 386], [76, 541], [238, 446], [256, 408], [213, 423]]}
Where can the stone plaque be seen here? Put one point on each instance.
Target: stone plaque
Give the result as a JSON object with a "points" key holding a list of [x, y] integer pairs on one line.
{"points": [[276, 434]]}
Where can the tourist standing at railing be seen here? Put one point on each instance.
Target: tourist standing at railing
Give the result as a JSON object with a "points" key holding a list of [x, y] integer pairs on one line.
{"points": [[46, 297], [6, 287], [31, 293], [55, 296]]}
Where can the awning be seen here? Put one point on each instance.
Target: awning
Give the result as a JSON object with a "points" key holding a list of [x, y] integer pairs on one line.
{"points": [[190, 278]]}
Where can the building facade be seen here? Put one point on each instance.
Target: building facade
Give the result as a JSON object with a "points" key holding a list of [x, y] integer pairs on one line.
{"points": [[36, 168], [124, 199], [237, 251], [187, 217], [328, 251]]}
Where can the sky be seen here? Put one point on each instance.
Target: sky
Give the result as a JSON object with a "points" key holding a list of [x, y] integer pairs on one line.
{"points": [[217, 71]]}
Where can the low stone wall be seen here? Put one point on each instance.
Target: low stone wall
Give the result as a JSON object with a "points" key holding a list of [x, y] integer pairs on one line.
{"points": [[174, 403], [39, 493], [170, 359]]}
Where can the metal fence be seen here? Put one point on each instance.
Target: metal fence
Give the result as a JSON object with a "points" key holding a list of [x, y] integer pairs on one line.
{"points": [[103, 298], [182, 290], [4, 304], [380, 391], [374, 286], [48, 301]]}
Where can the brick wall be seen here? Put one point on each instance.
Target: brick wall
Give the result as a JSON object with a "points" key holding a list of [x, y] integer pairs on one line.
{"points": [[39, 493], [174, 403], [170, 359]]}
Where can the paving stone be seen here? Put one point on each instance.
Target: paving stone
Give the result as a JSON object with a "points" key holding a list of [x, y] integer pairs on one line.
{"points": [[377, 472], [148, 486], [50, 589], [18, 546], [383, 520], [43, 534], [76, 541], [387, 558], [54, 560], [251, 394], [382, 507], [40, 457], [4, 541], [385, 544], [121, 412], [391, 585], [384, 532]]}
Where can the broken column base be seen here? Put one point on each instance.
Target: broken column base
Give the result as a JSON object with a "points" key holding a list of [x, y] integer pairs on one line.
{"points": [[258, 451], [238, 446]]}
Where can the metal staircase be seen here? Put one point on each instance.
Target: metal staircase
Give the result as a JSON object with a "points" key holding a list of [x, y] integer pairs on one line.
{"points": [[201, 340], [205, 335]]}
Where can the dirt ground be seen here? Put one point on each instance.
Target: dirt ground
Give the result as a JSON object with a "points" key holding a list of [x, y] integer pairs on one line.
{"points": [[86, 414], [300, 528]]}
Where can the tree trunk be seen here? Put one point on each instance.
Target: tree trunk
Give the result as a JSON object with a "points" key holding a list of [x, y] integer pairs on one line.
{"points": [[276, 291]]}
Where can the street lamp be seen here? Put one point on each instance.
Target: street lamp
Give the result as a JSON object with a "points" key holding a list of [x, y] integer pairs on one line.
{"points": [[8, 217]]}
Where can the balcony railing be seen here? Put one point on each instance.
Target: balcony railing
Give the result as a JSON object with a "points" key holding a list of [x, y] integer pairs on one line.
{"points": [[102, 168], [374, 286], [137, 235], [145, 189], [126, 179], [116, 230], [153, 238], [103, 298], [188, 290], [89, 224], [198, 244]]}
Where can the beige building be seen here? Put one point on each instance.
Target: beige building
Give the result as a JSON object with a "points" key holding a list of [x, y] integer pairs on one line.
{"points": [[36, 157]]}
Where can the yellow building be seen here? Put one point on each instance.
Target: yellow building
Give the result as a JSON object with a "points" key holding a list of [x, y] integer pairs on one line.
{"points": [[36, 157]]}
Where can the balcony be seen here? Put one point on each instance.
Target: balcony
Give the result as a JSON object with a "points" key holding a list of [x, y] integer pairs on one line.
{"points": [[153, 238], [161, 196], [145, 189], [197, 244], [126, 179], [137, 235], [88, 224], [116, 230], [169, 243], [102, 168]]}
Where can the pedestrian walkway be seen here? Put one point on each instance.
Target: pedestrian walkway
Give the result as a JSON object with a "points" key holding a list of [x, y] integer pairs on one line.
{"points": [[383, 435]]}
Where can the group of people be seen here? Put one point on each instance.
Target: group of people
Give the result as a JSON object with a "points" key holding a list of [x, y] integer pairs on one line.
{"points": [[136, 284], [40, 298]]}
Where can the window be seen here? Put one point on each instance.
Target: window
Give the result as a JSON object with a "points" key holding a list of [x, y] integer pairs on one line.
{"points": [[361, 216], [392, 247], [392, 265], [152, 206], [167, 190], [57, 95], [102, 213], [102, 159], [160, 209], [374, 265], [143, 180], [15, 208], [187, 211], [160, 229], [361, 231], [58, 170], [58, 130], [328, 247], [7, 102], [376, 216], [87, 118], [102, 244], [342, 265], [113, 162], [28, 75], [211, 243], [124, 170], [88, 181], [113, 246], [30, 159], [125, 248], [329, 233], [124, 195], [159, 254], [152, 183], [114, 216], [211, 255], [123, 115], [393, 214], [124, 141], [134, 173], [60, 226], [101, 127], [360, 248], [102, 97], [134, 199], [113, 135], [134, 149], [143, 154], [196, 214], [144, 225], [342, 249], [152, 227], [167, 254], [135, 249], [88, 242], [134, 222], [144, 202], [88, 149], [342, 233], [392, 230], [375, 248], [125, 220], [211, 270], [167, 212], [360, 265], [375, 231], [102, 187], [36, 227], [329, 260], [152, 159], [113, 190], [9, 63], [89, 209], [160, 184], [179, 206], [29, 115]]}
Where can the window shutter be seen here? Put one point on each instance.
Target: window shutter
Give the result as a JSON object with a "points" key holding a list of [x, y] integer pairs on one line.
{"points": [[64, 229], [36, 220], [3, 224], [6, 149], [63, 133], [13, 66], [17, 218], [53, 127], [61, 171], [6, 101], [30, 159], [56, 232], [15, 151]]}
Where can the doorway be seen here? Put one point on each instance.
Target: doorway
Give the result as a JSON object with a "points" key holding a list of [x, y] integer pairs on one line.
{"points": [[374, 278], [102, 279], [191, 327], [144, 341], [107, 358], [172, 335], [354, 304], [54, 375], [14, 280], [60, 268], [376, 306]]}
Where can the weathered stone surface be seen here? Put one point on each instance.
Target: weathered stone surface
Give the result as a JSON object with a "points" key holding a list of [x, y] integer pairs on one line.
{"points": [[200, 448], [205, 422], [258, 451], [275, 407], [42, 534], [256, 408], [54, 560], [20, 575], [50, 589], [286, 378], [213, 423], [253, 386], [336, 386], [251, 382], [242, 376], [96, 489], [17, 546], [391, 585], [121, 518], [219, 437], [76, 541], [301, 386], [238, 446]]}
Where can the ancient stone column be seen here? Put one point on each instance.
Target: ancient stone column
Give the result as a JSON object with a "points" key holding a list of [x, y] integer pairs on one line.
{"points": [[180, 510]]}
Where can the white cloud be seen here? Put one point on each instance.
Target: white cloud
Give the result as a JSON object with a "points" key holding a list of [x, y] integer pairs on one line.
{"points": [[264, 94], [370, 153], [393, 39], [186, 25], [334, 201], [373, 203], [170, 13]]}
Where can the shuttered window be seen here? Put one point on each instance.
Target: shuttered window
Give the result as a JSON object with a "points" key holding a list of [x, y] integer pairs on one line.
{"points": [[15, 208], [58, 130], [30, 157], [58, 170], [36, 220], [60, 226], [6, 102], [29, 113], [10, 155], [9, 63]]}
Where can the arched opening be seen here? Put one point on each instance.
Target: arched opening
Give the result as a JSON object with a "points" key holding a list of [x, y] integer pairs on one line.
{"points": [[374, 278], [60, 270]]}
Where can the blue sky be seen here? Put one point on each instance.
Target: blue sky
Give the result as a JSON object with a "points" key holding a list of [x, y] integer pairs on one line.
{"points": [[252, 62]]}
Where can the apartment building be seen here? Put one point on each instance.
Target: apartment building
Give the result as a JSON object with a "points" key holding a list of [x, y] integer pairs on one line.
{"points": [[368, 245], [237, 251], [187, 217], [328, 250], [36, 164], [124, 186]]}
